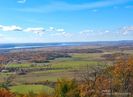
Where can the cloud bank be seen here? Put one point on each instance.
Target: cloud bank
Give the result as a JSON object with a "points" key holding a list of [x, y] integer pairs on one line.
{"points": [[61, 32], [10, 28], [36, 30]]}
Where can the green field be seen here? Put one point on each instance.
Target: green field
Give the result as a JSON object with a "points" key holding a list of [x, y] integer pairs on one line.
{"points": [[18, 66], [61, 67], [23, 89]]}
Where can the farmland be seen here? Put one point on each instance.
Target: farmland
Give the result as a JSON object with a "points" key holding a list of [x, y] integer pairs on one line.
{"points": [[42, 72]]}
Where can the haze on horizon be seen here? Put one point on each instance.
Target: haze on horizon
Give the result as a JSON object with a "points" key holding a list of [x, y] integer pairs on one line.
{"points": [[25, 21]]}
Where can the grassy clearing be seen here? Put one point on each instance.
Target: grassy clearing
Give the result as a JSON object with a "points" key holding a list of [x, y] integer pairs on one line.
{"points": [[23, 89], [86, 56], [49, 71], [18, 65], [35, 77], [77, 61], [72, 64]]}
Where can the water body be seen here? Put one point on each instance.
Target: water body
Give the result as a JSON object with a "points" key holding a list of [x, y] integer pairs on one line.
{"points": [[9, 46], [35, 45]]}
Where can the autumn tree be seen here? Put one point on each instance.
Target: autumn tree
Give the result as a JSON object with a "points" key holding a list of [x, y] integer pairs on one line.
{"points": [[66, 88], [123, 74]]}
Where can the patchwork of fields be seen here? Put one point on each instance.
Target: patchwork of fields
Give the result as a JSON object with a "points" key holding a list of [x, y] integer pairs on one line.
{"points": [[43, 77]]}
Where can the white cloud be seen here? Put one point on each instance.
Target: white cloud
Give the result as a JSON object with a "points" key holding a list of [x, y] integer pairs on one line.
{"points": [[64, 34], [90, 32], [60, 30], [125, 30], [38, 30], [63, 6], [52, 29], [106, 31], [86, 31], [21, 1], [10, 28]]}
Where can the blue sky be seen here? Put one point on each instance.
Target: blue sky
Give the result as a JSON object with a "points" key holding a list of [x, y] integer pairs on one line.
{"points": [[23, 21]]}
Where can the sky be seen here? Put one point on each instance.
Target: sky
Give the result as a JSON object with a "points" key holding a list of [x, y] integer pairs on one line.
{"points": [[26, 21]]}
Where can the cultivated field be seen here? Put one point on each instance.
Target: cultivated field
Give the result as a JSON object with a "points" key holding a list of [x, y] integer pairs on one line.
{"points": [[26, 76]]}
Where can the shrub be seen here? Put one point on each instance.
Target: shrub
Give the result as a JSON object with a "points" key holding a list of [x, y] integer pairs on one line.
{"points": [[6, 93], [66, 88]]}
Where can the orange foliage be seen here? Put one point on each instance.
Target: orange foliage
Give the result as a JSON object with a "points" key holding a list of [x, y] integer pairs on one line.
{"points": [[123, 68], [5, 93], [102, 83]]}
